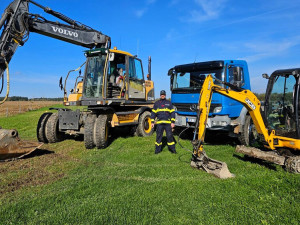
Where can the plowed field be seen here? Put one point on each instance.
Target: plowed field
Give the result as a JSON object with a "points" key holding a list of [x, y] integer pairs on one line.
{"points": [[10, 108]]}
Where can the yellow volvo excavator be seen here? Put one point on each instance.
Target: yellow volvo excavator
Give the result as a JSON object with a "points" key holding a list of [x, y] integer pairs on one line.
{"points": [[113, 86], [275, 130]]}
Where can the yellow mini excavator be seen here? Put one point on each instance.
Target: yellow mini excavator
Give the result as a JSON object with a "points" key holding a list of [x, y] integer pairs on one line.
{"points": [[275, 130]]}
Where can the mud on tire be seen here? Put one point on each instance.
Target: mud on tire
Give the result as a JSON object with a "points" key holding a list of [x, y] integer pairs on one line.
{"points": [[41, 127], [144, 127], [52, 132], [101, 131], [89, 131], [292, 164]]}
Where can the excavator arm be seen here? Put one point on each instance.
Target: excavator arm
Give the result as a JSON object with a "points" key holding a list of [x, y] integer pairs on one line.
{"points": [[16, 23]]}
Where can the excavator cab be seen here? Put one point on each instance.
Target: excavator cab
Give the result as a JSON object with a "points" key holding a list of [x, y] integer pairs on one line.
{"points": [[282, 103], [113, 77]]}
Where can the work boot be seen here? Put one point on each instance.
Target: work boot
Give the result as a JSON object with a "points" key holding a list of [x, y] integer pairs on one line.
{"points": [[173, 152], [157, 152]]}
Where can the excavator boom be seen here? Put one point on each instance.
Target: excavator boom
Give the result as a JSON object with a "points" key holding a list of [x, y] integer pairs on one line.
{"points": [[16, 23]]}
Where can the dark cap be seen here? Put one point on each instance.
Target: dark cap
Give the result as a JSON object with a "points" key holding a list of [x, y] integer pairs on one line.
{"points": [[162, 92]]}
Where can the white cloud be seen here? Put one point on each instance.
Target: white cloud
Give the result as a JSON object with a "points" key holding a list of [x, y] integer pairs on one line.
{"points": [[171, 34], [209, 9], [140, 12], [149, 2], [269, 49], [174, 2]]}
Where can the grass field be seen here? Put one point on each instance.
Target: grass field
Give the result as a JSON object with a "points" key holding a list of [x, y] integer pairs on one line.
{"points": [[127, 184]]}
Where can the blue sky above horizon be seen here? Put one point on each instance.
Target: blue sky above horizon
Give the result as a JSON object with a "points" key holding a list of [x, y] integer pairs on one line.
{"points": [[264, 33]]}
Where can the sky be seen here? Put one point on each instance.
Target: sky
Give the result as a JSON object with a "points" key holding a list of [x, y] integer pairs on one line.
{"points": [[264, 33]]}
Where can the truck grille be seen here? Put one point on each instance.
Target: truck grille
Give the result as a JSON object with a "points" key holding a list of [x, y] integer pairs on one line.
{"points": [[183, 107]]}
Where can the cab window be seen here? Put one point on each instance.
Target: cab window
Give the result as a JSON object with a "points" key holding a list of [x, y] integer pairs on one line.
{"points": [[138, 69], [135, 69]]}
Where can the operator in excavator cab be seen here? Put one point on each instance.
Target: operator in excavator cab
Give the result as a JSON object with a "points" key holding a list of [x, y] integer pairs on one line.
{"points": [[164, 112]]}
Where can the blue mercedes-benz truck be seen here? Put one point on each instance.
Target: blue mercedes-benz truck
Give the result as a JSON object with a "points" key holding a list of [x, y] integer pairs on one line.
{"points": [[225, 114]]}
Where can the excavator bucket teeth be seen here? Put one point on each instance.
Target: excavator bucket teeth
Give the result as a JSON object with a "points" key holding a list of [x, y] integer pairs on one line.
{"points": [[212, 166], [11, 147]]}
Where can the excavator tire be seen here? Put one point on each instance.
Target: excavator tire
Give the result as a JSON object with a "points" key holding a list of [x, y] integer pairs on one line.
{"points": [[144, 127], [292, 164], [101, 132], [41, 127], [249, 136], [89, 130], [52, 132]]}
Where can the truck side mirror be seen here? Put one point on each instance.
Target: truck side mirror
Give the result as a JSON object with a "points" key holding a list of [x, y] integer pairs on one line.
{"points": [[171, 82], [265, 75], [60, 84], [237, 74], [171, 72], [111, 56]]}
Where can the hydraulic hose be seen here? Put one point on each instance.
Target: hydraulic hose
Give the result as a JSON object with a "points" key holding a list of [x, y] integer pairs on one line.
{"points": [[7, 77], [65, 85]]}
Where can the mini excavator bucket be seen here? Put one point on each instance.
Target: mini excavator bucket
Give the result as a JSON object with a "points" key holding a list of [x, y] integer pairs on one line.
{"points": [[212, 166], [11, 147]]}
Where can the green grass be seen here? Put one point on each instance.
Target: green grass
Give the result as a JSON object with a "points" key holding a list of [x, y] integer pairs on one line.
{"points": [[128, 184]]}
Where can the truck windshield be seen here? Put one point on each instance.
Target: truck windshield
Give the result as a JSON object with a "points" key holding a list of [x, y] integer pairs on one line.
{"points": [[94, 76], [193, 81]]}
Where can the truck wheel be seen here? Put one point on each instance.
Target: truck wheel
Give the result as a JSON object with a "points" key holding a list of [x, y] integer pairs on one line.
{"points": [[52, 132], [249, 135], [41, 127], [101, 132], [89, 127], [144, 127]]}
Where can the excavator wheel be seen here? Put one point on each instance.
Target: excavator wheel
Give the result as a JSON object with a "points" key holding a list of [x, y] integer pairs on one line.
{"points": [[89, 130], [144, 127], [101, 132], [52, 132], [249, 135], [292, 164], [41, 127]]}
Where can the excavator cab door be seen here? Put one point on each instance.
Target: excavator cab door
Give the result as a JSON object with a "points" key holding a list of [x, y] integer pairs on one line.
{"points": [[94, 73], [282, 103], [136, 82]]}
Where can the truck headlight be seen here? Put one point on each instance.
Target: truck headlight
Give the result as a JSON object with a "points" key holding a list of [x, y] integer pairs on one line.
{"points": [[224, 123], [217, 109]]}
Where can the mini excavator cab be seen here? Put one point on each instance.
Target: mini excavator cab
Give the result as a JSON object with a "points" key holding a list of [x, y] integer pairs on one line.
{"points": [[282, 103]]}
